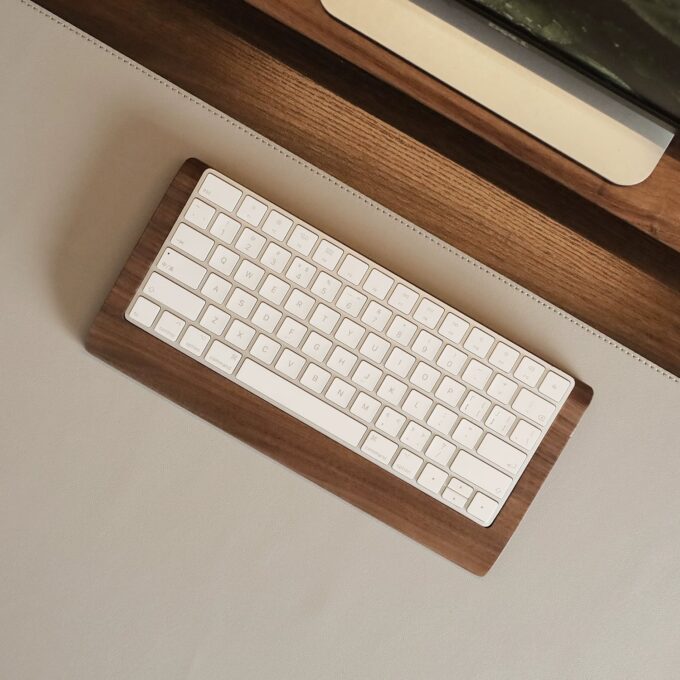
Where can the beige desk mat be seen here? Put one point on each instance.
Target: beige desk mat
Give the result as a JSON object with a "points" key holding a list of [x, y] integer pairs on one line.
{"points": [[139, 542]]}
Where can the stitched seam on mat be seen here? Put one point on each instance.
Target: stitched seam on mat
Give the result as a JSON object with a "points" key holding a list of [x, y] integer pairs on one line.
{"points": [[376, 206]]}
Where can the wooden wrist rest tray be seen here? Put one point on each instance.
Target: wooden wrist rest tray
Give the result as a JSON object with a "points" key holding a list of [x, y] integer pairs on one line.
{"points": [[652, 206], [291, 442]]}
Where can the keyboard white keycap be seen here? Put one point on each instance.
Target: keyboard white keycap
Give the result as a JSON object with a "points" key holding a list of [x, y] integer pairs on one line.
{"points": [[533, 407], [403, 298], [378, 284], [300, 272], [324, 318], [467, 434], [432, 478], [291, 332], [450, 391], [366, 375], [349, 333], [290, 364], [465, 490], [351, 301], [220, 193], [249, 275], [452, 360], [475, 406], [500, 453], [504, 357], [215, 320], [300, 304], [376, 316], [222, 357], [483, 508], [341, 361], [169, 326], [365, 407], [454, 497], [265, 349], [241, 303], [415, 436], [277, 225], [500, 420], [315, 378], [453, 327], [199, 214], [223, 260], [440, 451], [478, 342], [390, 421], [250, 243], [252, 211], [416, 405], [274, 289], [374, 348], [275, 257], [428, 313], [402, 331], [266, 318], [379, 447], [352, 269], [525, 435], [502, 389], [192, 242], [240, 334], [426, 345], [216, 288], [302, 240], [529, 371], [477, 374], [425, 376], [441, 419], [304, 405], [554, 386], [480, 474], [326, 287], [407, 464], [340, 392], [399, 362], [225, 228], [316, 346], [195, 341], [327, 254], [144, 312], [392, 390], [173, 296]]}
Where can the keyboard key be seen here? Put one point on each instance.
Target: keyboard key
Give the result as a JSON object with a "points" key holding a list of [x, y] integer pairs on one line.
{"points": [[378, 284], [454, 498], [440, 451], [554, 386], [195, 341], [223, 260], [326, 287], [277, 225], [274, 289], [220, 193], [300, 272], [478, 342], [403, 298], [222, 357], [407, 464], [241, 303], [391, 390], [290, 364], [480, 474], [291, 332], [249, 275], [432, 478], [416, 404], [340, 392], [451, 360], [144, 312], [173, 296], [240, 334], [441, 419], [460, 487], [501, 453], [252, 211], [525, 435], [367, 375], [399, 362], [265, 349], [351, 301], [500, 420], [300, 304], [266, 317], [425, 377], [324, 318], [250, 243], [225, 228], [450, 391], [302, 240], [199, 214], [477, 374], [502, 389], [316, 346], [215, 320], [426, 345], [467, 434], [376, 316], [454, 328], [352, 269], [529, 372], [341, 361], [275, 258], [169, 326], [402, 331], [504, 357], [390, 421], [475, 406], [365, 407], [379, 447], [428, 313], [315, 378], [327, 255], [304, 405], [349, 333], [375, 348], [533, 407], [192, 242], [415, 436], [483, 508]]}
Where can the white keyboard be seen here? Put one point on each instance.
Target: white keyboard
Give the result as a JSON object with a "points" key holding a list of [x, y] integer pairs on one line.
{"points": [[349, 348]]}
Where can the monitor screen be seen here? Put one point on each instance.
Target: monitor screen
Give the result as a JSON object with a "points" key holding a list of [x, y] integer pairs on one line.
{"points": [[632, 46]]}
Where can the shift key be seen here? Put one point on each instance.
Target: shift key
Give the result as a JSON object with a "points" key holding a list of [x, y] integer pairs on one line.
{"points": [[174, 297]]}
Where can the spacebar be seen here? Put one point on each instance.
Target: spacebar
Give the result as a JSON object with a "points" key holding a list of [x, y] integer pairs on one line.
{"points": [[302, 404]]}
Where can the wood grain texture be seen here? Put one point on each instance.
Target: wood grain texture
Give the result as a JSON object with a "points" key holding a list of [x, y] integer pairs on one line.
{"points": [[291, 442], [653, 206], [415, 161]]}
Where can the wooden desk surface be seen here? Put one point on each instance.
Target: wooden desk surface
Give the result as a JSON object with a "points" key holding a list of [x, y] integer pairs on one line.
{"points": [[413, 160]]}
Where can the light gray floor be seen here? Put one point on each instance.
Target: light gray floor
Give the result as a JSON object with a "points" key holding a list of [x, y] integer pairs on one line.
{"points": [[140, 542]]}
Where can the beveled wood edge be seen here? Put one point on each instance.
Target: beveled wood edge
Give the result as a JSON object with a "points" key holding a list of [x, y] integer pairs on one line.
{"points": [[288, 440]]}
